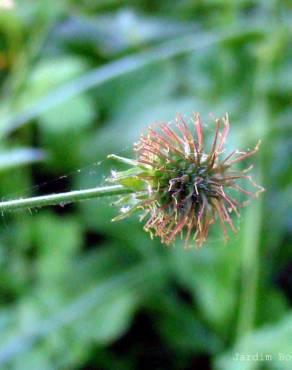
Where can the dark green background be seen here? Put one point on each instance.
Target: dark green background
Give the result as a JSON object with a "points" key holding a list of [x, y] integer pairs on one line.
{"points": [[81, 79]]}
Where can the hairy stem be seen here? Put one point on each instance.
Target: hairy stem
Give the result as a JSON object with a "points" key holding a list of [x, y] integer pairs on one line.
{"points": [[63, 198]]}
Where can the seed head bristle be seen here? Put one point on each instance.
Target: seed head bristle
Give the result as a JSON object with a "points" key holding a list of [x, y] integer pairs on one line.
{"points": [[181, 186]]}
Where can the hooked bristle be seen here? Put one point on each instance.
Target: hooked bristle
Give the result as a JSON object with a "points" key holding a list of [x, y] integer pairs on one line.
{"points": [[181, 186]]}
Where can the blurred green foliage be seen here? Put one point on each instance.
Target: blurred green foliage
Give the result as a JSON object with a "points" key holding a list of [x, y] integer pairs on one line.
{"points": [[81, 79]]}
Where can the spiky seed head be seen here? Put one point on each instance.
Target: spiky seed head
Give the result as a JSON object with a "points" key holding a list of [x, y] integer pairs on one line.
{"points": [[181, 188]]}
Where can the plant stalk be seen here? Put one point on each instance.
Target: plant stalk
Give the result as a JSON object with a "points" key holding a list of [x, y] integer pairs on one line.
{"points": [[63, 198]]}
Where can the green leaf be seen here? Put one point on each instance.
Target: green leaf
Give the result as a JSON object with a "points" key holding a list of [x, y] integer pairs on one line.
{"points": [[273, 340]]}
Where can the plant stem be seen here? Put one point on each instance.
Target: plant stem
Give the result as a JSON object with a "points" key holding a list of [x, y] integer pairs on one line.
{"points": [[63, 198], [250, 270], [261, 114]]}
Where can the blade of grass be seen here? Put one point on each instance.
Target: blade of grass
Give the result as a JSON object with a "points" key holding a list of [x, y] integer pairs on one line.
{"points": [[167, 50], [19, 157]]}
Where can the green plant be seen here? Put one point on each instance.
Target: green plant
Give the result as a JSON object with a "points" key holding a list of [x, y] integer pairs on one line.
{"points": [[79, 80], [174, 180]]}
